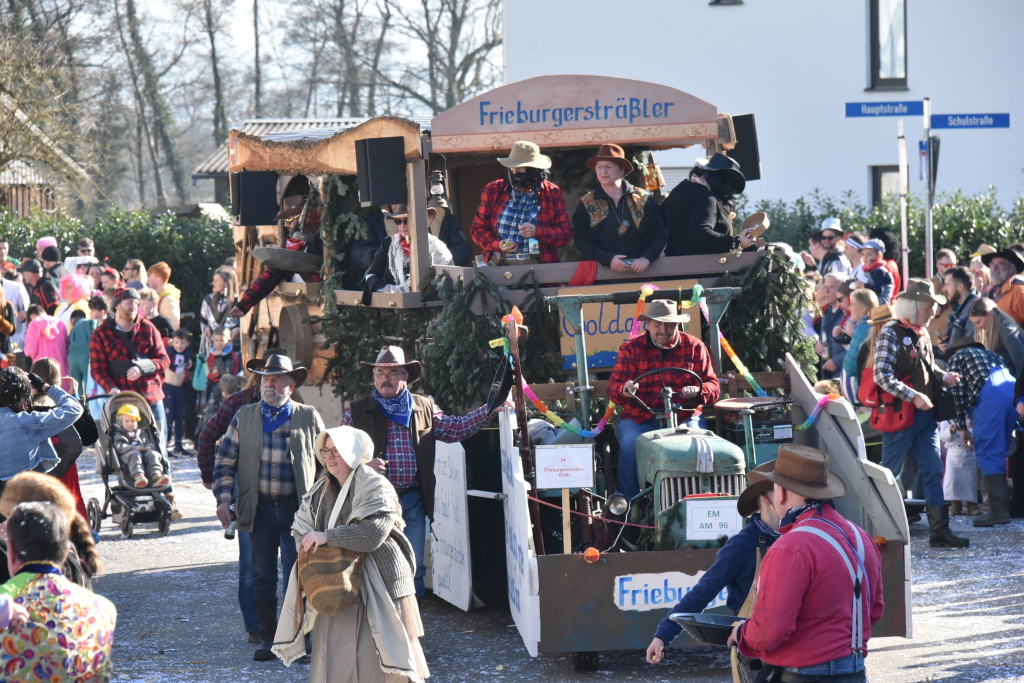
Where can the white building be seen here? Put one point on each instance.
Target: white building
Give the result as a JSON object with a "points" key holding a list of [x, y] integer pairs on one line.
{"points": [[796, 64]]}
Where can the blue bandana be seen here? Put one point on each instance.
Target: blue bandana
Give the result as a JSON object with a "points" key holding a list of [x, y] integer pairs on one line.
{"points": [[397, 409], [275, 417], [801, 509], [769, 533]]}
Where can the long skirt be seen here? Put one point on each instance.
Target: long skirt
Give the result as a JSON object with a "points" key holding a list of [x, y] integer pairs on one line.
{"points": [[344, 651]]}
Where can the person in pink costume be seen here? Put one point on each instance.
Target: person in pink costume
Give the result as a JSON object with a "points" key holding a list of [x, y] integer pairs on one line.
{"points": [[47, 337]]}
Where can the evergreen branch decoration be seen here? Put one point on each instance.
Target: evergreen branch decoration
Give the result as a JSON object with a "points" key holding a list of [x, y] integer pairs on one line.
{"points": [[765, 322]]}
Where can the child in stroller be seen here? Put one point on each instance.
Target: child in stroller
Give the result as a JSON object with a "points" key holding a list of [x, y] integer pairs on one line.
{"points": [[135, 448]]}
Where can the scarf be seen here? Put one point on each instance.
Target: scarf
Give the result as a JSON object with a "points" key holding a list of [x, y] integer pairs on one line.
{"points": [[771, 534], [273, 417], [792, 515], [397, 409], [398, 259]]}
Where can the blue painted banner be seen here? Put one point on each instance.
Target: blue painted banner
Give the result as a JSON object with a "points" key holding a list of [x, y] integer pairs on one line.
{"points": [[970, 120], [857, 109]]}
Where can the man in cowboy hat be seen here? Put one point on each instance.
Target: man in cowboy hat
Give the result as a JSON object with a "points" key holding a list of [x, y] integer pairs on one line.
{"points": [[663, 345], [820, 588], [905, 367], [614, 224], [390, 270], [303, 237], [210, 435], [736, 564], [984, 395], [521, 219], [1005, 268], [268, 452], [404, 428], [698, 211]]}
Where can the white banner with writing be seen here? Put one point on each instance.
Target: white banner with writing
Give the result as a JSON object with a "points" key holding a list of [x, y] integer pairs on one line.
{"points": [[451, 569]]}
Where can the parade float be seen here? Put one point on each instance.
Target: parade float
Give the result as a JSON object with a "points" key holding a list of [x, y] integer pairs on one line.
{"points": [[515, 522]]}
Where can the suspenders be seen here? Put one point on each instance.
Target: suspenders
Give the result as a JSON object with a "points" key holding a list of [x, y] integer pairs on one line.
{"points": [[858, 576]]}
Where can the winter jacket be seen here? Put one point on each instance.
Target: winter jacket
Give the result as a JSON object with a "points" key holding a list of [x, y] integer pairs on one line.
{"points": [[696, 221]]}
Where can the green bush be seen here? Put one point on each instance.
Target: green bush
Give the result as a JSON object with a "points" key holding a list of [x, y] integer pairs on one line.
{"points": [[193, 248], [961, 222]]}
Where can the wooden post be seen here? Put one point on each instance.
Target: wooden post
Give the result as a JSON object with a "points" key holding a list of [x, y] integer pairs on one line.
{"points": [[419, 253], [525, 448], [566, 524]]}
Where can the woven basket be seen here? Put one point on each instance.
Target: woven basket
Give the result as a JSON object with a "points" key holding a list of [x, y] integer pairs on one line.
{"points": [[330, 578]]}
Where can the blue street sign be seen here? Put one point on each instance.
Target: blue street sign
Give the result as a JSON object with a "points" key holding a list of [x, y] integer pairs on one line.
{"points": [[970, 120], [884, 109]]}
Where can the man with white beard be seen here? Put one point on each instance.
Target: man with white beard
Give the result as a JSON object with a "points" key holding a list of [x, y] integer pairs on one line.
{"points": [[269, 449]]}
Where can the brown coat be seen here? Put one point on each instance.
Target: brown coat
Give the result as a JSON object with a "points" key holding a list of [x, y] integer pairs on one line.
{"points": [[366, 416]]}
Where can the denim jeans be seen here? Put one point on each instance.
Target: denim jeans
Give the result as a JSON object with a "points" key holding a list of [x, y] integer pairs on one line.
{"points": [[174, 406], [245, 584], [160, 418], [415, 515], [922, 440], [850, 664], [994, 419], [626, 431], [272, 529]]}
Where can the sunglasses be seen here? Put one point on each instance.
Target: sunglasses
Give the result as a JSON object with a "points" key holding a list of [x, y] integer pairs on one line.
{"points": [[400, 221]]}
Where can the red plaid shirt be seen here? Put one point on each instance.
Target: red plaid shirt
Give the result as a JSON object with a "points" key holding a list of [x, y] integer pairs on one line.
{"points": [[216, 427], [639, 355], [401, 457], [104, 347], [553, 228]]}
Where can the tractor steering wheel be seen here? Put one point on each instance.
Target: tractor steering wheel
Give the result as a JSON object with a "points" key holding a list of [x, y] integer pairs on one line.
{"points": [[690, 404]]}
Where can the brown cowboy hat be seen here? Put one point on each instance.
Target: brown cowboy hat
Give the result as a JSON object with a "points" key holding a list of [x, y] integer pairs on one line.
{"points": [[919, 289], [278, 364], [747, 504], [612, 153], [394, 356], [881, 314], [292, 207], [664, 311], [804, 471]]}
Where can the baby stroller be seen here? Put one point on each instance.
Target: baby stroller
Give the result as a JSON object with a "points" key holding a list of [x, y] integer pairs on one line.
{"points": [[127, 505]]}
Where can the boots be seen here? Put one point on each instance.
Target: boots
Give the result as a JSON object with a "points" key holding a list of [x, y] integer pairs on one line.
{"points": [[940, 536], [998, 501], [955, 508], [175, 512], [972, 509], [268, 627]]}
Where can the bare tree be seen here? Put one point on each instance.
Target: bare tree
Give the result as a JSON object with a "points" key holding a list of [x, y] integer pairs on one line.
{"points": [[211, 26], [257, 108]]}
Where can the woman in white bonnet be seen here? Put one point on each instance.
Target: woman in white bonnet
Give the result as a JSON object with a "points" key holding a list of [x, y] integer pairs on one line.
{"points": [[352, 507]]}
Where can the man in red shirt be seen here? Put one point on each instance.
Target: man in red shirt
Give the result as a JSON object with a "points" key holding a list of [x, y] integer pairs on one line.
{"points": [[663, 345], [521, 219], [820, 588]]}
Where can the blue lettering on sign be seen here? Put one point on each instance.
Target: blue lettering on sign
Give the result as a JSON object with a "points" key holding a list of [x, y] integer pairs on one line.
{"points": [[665, 594], [970, 120], [631, 109], [870, 109]]}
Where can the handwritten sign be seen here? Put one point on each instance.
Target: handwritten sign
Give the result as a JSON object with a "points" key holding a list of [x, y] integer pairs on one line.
{"points": [[565, 467], [646, 592], [450, 568], [608, 325], [709, 518]]}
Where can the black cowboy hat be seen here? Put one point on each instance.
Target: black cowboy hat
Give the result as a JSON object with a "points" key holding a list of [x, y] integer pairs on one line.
{"points": [[727, 166], [1008, 254], [278, 364]]}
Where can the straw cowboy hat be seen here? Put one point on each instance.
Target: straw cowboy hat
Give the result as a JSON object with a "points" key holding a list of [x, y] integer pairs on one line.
{"points": [[747, 504], [664, 311], [1007, 254], [919, 289], [614, 154], [526, 154], [804, 471], [881, 314], [278, 364], [394, 357]]}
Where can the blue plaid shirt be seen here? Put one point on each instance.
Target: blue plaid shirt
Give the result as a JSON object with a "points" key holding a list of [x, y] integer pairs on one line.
{"points": [[277, 478], [522, 207]]}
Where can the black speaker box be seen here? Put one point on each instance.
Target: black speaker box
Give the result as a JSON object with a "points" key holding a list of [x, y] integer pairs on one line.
{"points": [[380, 167], [745, 152], [254, 197]]}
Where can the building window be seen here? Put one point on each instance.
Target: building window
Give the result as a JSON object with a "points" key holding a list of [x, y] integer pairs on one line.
{"points": [[888, 44], [885, 180]]}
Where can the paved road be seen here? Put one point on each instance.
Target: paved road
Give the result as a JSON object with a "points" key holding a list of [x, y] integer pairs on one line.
{"points": [[179, 621]]}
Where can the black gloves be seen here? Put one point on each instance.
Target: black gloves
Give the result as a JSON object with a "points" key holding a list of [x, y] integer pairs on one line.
{"points": [[37, 382]]}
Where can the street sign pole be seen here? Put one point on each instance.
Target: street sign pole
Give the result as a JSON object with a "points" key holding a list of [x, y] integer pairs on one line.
{"points": [[904, 183], [929, 192]]}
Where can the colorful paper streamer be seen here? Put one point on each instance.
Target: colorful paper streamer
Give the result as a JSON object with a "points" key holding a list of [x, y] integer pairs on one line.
{"points": [[559, 422], [816, 413], [645, 291]]}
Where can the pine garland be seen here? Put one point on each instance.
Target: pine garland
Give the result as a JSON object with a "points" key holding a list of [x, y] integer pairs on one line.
{"points": [[765, 322]]}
